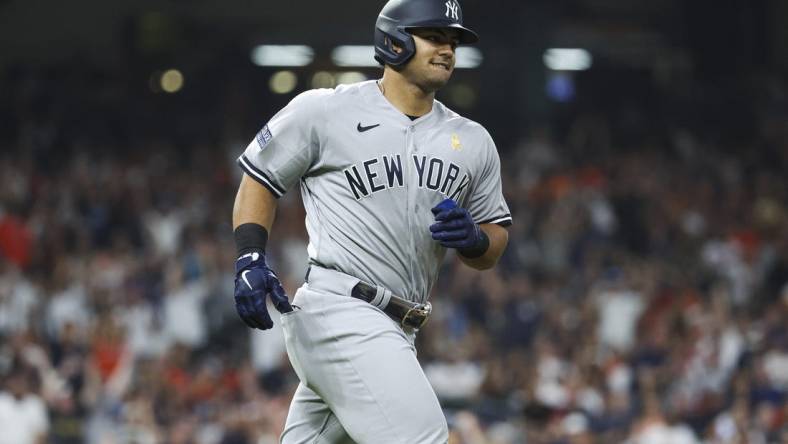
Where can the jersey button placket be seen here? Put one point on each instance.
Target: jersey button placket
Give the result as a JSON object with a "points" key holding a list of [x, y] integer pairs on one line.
{"points": [[412, 193], [415, 150]]}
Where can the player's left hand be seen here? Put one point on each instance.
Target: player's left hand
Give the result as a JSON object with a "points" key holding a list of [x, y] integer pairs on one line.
{"points": [[254, 280], [454, 227]]}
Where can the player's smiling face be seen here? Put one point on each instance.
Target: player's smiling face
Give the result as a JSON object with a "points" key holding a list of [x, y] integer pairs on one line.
{"points": [[432, 65]]}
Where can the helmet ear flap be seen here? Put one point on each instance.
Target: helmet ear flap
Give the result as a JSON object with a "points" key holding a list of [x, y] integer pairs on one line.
{"points": [[389, 33], [393, 50]]}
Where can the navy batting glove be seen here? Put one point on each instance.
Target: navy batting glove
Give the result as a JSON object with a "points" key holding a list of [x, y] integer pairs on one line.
{"points": [[253, 282], [454, 228]]}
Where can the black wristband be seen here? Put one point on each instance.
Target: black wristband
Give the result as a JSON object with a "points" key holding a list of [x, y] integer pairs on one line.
{"points": [[477, 250], [250, 237]]}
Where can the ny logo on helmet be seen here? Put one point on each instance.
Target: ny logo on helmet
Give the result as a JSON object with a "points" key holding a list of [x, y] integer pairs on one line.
{"points": [[452, 9]]}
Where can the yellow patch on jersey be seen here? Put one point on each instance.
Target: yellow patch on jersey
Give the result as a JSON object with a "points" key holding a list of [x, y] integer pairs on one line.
{"points": [[455, 142]]}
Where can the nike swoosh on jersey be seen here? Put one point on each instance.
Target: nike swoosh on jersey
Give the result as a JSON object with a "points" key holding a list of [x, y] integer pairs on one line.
{"points": [[361, 129]]}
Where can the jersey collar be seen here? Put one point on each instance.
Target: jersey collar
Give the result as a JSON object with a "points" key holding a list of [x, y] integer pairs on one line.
{"points": [[373, 94]]}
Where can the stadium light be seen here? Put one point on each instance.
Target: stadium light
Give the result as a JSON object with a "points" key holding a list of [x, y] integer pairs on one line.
{"points": [[171, 81], [348, 77], [363, 56], [567, 59], [468, 57], [324, 79], [283, 82], [354, 55], [282, 55]]}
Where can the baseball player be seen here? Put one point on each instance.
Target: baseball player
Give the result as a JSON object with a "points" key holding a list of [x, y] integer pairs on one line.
{"points": [[390, 179]]}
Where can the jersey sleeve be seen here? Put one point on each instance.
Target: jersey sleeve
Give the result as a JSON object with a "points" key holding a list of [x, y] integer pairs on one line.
{"points": [[285, 148], [486, 202]]}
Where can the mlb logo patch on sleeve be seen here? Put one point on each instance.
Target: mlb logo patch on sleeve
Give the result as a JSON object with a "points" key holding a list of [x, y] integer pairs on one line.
{"points": [[264, 136]]}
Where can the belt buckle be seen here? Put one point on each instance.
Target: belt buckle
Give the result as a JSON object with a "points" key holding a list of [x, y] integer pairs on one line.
{"points": [[411, 318]]}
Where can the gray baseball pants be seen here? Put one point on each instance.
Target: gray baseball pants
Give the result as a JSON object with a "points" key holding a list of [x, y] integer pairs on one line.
{"points": [[360, 379]]}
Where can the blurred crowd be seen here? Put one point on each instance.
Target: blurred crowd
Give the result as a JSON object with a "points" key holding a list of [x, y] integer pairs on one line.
{"points": [[643, 298]]}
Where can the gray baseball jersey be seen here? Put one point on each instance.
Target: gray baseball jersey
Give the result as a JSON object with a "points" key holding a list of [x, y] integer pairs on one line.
{"points": [[369, 176]]}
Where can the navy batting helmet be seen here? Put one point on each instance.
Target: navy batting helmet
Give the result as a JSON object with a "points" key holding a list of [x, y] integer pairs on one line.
{"points": [[398, 17]]}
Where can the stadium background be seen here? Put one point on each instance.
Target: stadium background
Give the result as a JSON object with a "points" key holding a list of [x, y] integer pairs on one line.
{"points": [[643, 297]]}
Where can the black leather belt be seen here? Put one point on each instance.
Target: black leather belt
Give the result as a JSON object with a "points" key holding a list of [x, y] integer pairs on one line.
{"points": [[407, 313]]}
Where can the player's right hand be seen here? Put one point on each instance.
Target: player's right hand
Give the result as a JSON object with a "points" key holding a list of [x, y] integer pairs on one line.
{"points": [[253, 282]]}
